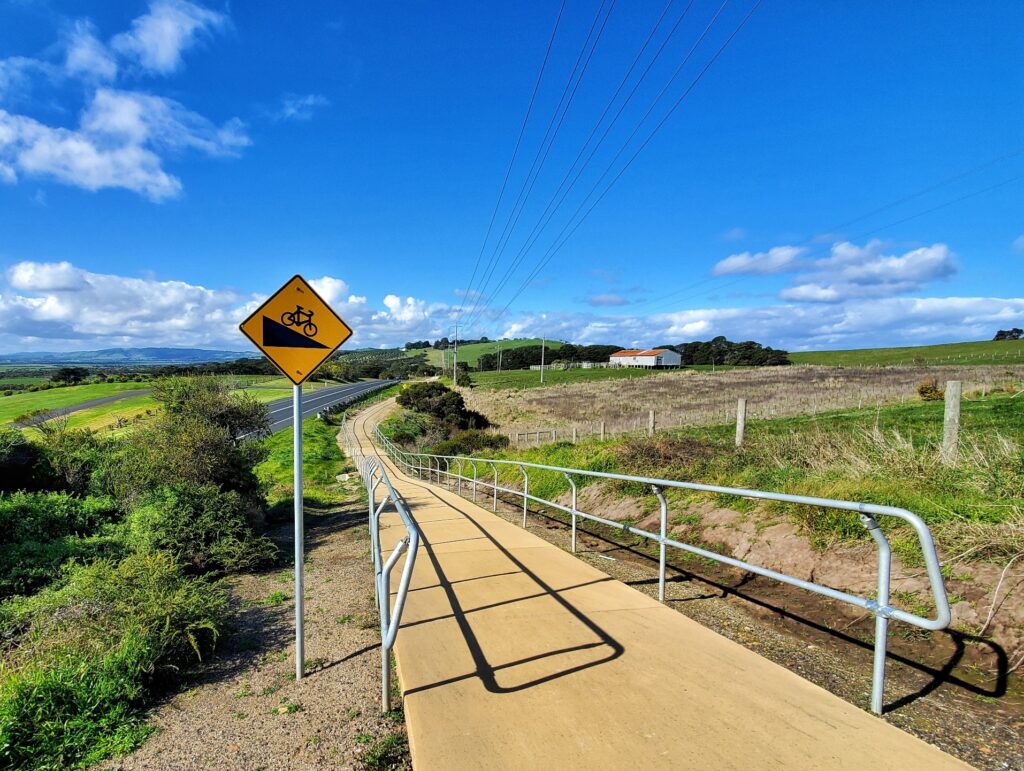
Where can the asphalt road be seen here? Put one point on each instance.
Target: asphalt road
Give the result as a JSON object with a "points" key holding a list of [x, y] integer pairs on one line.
{"points": [[313, 402]]}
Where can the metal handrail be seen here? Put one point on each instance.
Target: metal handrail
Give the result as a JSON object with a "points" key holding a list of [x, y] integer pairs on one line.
{"points": [[878, 605], [373, 473]]}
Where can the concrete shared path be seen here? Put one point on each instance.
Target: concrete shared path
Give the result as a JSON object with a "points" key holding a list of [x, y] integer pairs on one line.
{"points": [[515, 654]]}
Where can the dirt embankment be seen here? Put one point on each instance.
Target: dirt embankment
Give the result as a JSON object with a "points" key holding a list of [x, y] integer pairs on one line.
{"points": [[778, 545]]}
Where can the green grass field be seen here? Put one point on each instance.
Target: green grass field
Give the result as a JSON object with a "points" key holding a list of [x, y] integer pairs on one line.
{"points": [[471, 353], [530, 378], [97, 418], [12, 407], [987, 352], [21, 380]]}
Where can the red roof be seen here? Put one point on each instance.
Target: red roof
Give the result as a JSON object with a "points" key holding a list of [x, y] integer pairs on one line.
{"points": [[638, 352]]}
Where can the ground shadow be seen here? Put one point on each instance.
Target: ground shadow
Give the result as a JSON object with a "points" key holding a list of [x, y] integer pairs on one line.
{"points": [[484, 670], [743, 588]]}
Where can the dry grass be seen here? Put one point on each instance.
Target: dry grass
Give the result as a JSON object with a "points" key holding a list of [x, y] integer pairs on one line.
{"points": [[701, 398]]}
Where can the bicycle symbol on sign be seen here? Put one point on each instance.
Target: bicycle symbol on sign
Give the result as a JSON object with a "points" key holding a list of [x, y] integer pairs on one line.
{"points": [[300, 318]]}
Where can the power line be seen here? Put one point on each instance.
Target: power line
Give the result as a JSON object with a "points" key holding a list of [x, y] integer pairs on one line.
{"points": [[548, 214], [515, 152], [541, 155], [557, 245]]}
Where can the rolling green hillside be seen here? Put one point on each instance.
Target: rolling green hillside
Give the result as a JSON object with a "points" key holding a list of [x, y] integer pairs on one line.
{"points": [[988, 352], [470, 353]]}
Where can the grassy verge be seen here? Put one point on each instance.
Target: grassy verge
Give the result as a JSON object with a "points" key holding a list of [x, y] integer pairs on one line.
{"points": [[887, 456], [322, 461], [471, 353]]}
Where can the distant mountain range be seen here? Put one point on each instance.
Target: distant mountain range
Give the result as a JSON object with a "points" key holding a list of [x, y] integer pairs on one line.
{"points": [[126, 356]]}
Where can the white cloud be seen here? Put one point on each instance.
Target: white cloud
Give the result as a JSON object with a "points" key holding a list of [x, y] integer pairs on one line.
{"points": [[859, 323], [116, 143], [734, 234], [300, 106], [1018, 244], [157, 39], [86, 56], [779, 259], [859, 272], [606, 300], [332, 290], [123, 138], [59, 306]]}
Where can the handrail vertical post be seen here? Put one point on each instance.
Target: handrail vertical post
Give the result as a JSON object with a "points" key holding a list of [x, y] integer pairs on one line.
{"points": [[494, 503], [572, 483], [473, 463], [447, 474], [526, 491], [661, 541], [459, 477], [881, 617]]}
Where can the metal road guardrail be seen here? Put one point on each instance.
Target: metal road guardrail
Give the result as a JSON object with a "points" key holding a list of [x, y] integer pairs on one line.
{"points": [[429, 466], [373, 473]]}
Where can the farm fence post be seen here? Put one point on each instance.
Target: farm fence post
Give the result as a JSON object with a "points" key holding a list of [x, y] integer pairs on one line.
{"points": [[951, 422], [741, 420]]}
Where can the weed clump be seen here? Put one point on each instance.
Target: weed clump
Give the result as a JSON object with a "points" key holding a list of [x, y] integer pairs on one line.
{"points": [[929, 391]]}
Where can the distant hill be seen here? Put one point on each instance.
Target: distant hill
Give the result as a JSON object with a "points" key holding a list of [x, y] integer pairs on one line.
{"points": [[470, 353], [987, 352], [126, 356]]}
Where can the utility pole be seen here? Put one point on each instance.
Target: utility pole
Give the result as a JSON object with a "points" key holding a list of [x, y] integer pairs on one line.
{"points": [[455, 358], [542, 360], [499, 357]]}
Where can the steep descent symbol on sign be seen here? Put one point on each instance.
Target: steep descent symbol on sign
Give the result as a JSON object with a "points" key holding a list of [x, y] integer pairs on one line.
{"points": [[279, 336]]}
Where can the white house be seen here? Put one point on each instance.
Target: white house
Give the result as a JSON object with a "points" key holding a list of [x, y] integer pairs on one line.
{"points": [[656, 358]]}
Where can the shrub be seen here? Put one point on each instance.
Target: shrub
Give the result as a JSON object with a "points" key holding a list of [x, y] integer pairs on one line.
{"points": [[443, 404], [203, 527], [469, 442], [41, 531], [21, 462], [87, 653], [929, 391]]}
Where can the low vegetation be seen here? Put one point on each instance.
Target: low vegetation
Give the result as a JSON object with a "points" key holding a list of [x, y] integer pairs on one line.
{"points": [[436, 418], [109, 547], [886, 455]]}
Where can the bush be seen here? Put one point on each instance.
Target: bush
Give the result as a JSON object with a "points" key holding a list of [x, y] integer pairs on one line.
{"points": [[41, 531], [470, 442], [206, 435], [21, 462], [929, 390], [86, 654], [443, 404], [201, 526]]}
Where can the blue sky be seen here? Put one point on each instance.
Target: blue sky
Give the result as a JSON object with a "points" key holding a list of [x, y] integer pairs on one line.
{"points": [[841, 175]]}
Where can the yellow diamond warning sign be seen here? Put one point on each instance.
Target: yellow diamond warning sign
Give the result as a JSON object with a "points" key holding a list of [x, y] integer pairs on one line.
{"points": [[296, 330]]}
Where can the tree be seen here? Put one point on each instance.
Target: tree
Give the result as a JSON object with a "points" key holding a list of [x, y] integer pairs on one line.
{"points": [[1009, 334], [70, 375]]}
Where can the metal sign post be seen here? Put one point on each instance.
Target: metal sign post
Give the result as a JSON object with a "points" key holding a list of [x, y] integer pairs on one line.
{"points": [[298, 331], [300, 546]]}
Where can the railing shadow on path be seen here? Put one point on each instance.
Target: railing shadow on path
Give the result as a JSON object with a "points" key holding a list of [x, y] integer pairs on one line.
{"points": [[939, 675], [484, 670]]}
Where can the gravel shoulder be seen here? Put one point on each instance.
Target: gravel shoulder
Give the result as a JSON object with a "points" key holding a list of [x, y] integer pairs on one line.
{"points": [[244, 710]]}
